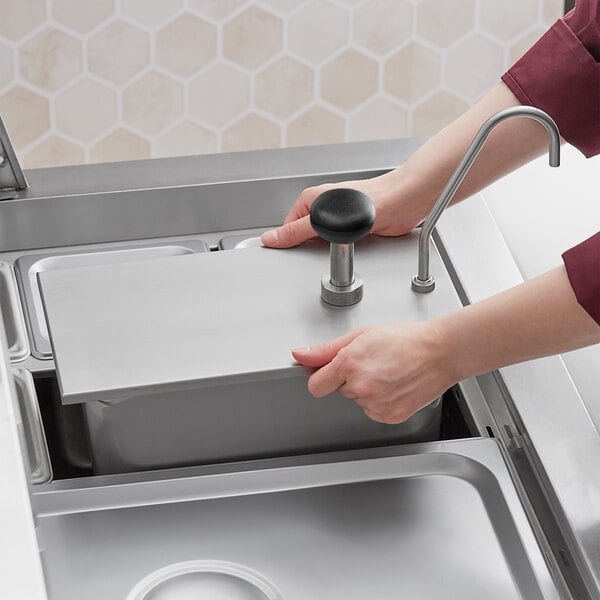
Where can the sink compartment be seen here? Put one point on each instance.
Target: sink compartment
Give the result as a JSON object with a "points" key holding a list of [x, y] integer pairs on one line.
{"points": [[12, 315], [29, 267], [431, 521]]}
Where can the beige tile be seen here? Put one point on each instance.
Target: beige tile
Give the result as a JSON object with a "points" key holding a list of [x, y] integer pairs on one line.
{"points": [[219, 95], [153, 102], [7, 72], [379, 119], [251, 132], [553, 9], [253, 37], [349, 79], [509, 18], [318, 30], [26, 115], [284, 87], [86, 110], [382, 25], [51, 59], [150, 13], [186, 139], [186, 44], [120, 145], [474, 65], [317, 125], [444, 22], [524, 43], [283, 6], [19, 17], [54, 152], [435, 113], [118, 52], [412, 72], [82, 15], [216, 9]]}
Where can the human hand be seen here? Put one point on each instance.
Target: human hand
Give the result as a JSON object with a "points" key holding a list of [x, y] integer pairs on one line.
{"points": [[390, 371], [395, 213]]}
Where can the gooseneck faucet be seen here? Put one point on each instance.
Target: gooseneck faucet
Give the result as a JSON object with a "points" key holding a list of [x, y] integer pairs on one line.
{"points": [[424, 282]]}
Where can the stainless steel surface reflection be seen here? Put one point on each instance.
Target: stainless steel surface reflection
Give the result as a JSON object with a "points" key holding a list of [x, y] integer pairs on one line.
{"points": [[12, 315], [204, 580], [29, 267]]}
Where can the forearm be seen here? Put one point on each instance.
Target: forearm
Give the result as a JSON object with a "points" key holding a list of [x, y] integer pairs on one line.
{"points": [[422, 178], [538, 318]]}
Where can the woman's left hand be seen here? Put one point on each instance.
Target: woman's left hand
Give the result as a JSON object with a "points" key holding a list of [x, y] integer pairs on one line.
{"points": [[391, 371]]}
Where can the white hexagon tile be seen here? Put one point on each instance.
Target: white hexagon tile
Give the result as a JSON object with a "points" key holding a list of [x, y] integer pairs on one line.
{"points": [[112, 80]]}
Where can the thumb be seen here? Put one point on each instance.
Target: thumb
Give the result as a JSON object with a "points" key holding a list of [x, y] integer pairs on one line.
{"points": [[322, 354], [289, 234]]}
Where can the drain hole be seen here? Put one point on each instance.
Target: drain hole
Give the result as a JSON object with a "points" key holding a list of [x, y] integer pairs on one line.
{"points": [[489, 431]]}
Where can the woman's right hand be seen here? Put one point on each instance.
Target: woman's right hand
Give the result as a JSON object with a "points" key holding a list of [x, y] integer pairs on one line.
{"points": [[394, 213]]}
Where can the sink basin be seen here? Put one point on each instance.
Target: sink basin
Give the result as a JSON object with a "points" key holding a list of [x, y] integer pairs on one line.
{"points": [[431, 522], [14, 323], [30, 266]]}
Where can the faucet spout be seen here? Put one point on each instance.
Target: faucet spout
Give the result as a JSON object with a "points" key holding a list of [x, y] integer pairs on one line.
{"points": [[424, 282]]}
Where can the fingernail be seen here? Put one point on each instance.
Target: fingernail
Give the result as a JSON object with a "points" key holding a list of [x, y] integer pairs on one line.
{"points": [[301, 350], [269, 238]]}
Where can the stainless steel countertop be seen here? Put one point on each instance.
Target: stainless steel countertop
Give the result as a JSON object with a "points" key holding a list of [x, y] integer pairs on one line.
{"points": [[556, 406], [512, 231]]}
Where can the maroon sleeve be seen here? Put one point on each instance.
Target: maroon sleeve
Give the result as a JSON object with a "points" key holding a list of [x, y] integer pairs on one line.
{"points": [[561, 75], [583, 268]]}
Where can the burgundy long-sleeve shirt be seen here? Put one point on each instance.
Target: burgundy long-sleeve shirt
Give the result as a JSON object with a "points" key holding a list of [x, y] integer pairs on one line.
{"points": [[561, 75]]}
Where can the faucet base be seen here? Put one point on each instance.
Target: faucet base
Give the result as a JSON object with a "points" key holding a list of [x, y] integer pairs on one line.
{"points": [[423, 286], [342, 296]]}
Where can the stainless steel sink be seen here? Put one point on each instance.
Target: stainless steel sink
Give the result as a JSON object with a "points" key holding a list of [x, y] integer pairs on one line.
{"points": [[432, 521], [30, 266], [12, 315]]}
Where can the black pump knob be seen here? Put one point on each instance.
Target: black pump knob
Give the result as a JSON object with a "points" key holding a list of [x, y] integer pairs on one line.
{"points": [[342, 217]]}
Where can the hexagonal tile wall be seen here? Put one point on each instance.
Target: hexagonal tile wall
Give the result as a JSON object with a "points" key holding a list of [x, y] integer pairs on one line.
{"points": [[107, 80], [120, 144], [219, 94], [151, 13], [118, 52], [54, 152], [413, 72], [86, 110], [472, 65], [7, 71], [51, 59], [253, 37], [82, 15], [349, 79], [153, 102], [507, 19], [318, 30], [20, 17], [186, 44], [252, 132], [184, 139], [26, 114], [284, 87], [381, 25], [443, 23]]}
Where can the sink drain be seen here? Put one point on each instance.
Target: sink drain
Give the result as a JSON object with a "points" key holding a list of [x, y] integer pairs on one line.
{"points": [[204, 580]]}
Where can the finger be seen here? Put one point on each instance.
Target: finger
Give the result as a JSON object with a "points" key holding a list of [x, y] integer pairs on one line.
{"points": [[321, 354], [344, 390], [289, 234], [326, 380], [374, 416]]}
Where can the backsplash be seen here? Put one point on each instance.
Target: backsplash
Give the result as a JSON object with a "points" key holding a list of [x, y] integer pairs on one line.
{"points": [[84, 81]]}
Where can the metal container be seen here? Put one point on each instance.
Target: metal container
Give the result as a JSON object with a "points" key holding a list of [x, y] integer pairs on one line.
{"points": [[30, 266], [33, 436], [237, 422], [12, 315]]}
